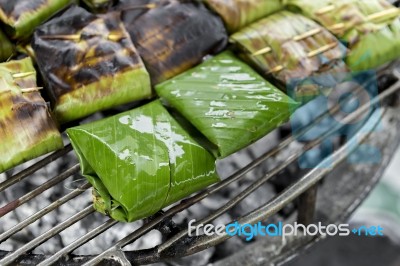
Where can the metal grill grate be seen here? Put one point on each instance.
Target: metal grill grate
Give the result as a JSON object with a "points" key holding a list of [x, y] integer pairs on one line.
{"points": [[179, 244]]}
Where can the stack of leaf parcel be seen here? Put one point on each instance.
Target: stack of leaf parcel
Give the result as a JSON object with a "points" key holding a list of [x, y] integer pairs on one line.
{"points": [[201, 99], [370, 29], [300, 55], [146, 151], [26, 126]]}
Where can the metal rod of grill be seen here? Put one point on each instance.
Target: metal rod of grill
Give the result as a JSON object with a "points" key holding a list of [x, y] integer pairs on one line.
{"points": [[168, 248]]}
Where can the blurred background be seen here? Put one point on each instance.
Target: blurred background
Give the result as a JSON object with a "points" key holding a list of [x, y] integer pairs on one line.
{"points": [[381, 207]]}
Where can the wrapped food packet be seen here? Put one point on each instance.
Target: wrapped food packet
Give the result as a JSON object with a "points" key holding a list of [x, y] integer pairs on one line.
{"points": [[172, 36], [26, 126], [239, 13], [370, 29], [21, 17], [228, 102], [291, 48], [140, 161], [88, 64]]}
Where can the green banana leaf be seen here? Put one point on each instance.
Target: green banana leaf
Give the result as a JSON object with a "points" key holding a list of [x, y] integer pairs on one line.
{"points": [[6, 47], [172, 36], [228, 102], [88, 64], [140, 161], [370, 29], [292, 49], [21, 17], [26, 126], [238, 13]]}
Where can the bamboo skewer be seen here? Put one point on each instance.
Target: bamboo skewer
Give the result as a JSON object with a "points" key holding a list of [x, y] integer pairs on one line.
{"points": [[322, 49], [77, 37], [390, 13], [23, 75], [295, 38], [325, 10], [26, 90], [307, 34], [262, 51], [71, 37], [275, 69]]}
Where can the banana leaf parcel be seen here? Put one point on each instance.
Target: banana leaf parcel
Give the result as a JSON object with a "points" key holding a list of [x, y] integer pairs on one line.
{"points": [[173, 36], [293, 49], [88, 64], [21, 17], [239, 13], [26, 126], [370, 29], [140, 161], [228, 102], [6, 47]]}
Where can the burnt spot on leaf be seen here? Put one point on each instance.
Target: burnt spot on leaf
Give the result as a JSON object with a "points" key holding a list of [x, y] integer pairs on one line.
{"points": [[21, 17], [173, 36], [79, 54]]}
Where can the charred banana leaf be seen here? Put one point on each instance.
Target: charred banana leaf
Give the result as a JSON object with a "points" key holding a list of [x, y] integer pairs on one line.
{"points": [[140, 161], [238, 13], [173, 36], [26, 126], [228, 102], [89, 64], [293, 49], [21, 17], [6, 47], [371, 29]]}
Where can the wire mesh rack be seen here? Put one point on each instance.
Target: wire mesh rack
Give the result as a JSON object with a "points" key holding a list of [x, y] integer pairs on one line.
{"points": [[177, 242]]}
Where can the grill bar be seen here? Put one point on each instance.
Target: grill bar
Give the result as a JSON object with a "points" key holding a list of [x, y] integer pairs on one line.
{"points": [[79, 242], [4, 236], [258, 183], [36, 192], [173, 246], [44, 237], [35, 167], [289, 194]]}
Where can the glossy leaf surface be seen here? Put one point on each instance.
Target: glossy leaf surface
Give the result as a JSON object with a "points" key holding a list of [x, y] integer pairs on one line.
{"points": [[140, 161], [228, 102]]}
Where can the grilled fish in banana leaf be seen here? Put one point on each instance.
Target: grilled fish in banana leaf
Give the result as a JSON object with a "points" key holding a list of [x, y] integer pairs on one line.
{"points": [[239, 13], [6, 47], [140, 161], [88, 64], [21, 17], [173, 36], [370, 29], [290, 47], [228, 102], [26, 126]]}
